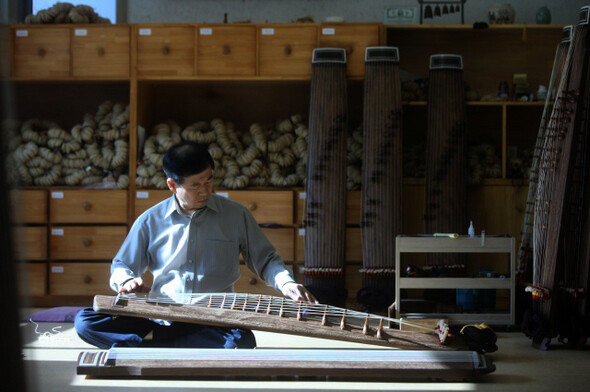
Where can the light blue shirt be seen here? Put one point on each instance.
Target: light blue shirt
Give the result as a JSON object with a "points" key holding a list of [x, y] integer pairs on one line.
{"points": [[198, 253]]}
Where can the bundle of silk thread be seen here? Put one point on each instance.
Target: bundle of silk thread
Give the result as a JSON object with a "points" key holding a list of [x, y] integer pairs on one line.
{"points": [[93, 151]]}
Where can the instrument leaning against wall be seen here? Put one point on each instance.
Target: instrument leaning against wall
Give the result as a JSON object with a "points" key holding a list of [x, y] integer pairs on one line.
{"points": [[278, 314], [325, 204], [382, 176]]}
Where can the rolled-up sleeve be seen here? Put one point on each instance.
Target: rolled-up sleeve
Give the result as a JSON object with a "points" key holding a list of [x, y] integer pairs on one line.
{"points": [[131, 259], [261, 256]]}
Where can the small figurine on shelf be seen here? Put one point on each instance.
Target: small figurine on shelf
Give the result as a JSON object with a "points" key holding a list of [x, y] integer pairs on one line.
{"points": [[543, 15], [503, 90], [501, 14], [541, 93]]}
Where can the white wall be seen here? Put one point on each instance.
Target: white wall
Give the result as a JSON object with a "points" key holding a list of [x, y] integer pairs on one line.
{"points": [[281, 11]]}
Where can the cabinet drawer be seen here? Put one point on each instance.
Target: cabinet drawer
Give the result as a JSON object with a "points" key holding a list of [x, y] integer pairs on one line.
{"points": [[283, 240], [286, 50], [266, 206], [30, 243], [165, 50], [146, 199], [28, 206], [354, 251], [85, 242], [101, 52], [354, 38], [353, 207], [79, 278], [250, 283], [40, 52], [226, 50], [32, 278], [74, 206]]}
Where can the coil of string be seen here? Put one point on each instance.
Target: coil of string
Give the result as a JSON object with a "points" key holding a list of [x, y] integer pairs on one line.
{"points": [[149, 171], [264, 155], [261, 156], [482, 162], [63, 12], [95, 151]]}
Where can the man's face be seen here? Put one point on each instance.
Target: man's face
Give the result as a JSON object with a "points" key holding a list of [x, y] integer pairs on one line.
{"points": [[195, 192]]}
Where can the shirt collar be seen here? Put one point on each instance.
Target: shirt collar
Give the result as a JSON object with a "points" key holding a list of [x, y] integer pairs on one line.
{"points": [[212, 204]]}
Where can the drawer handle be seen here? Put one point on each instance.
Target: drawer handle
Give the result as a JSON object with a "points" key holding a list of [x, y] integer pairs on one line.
{"points": [[226, 49], [349, 50], [87, 206], [288, 50], [87, 242], [41, 52], [87, 279], [252, 281], [165, 49], [252, 206], [100, 51]]}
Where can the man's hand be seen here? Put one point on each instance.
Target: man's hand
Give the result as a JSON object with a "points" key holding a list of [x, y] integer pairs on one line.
{"points": [[135, 286], [298, 292]]}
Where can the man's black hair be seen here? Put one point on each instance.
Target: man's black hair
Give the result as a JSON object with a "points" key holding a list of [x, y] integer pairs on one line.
{"points": [[186, 159]]}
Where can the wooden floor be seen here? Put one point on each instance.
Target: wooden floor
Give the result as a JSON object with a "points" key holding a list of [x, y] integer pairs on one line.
{"points": [[50, 358]]}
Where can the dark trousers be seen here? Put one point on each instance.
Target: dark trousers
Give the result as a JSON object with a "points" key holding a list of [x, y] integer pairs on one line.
{"points": [[105, 331]]}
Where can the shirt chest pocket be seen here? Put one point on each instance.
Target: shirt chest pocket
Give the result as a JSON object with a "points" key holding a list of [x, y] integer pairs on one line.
{"points": [[220, 258]]}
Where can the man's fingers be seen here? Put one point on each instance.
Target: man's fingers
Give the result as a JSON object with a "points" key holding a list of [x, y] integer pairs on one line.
{"points": [[135, 285], [300, 293]]}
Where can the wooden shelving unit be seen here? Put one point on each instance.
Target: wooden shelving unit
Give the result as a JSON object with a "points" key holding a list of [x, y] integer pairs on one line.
{"points": [[261, 73]]}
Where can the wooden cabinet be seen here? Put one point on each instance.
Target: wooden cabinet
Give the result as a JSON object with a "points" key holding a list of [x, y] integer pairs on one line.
{"points": [[507, 129], [490, 56], [28, 211], [283, 240], [82, 279], [165, 50], [99, 52], [285, 50], [66, 52], [28, 206], [146, 198], [225, 50], [30, 243], [86, 230], [86, 206], [267, 207], [32, 279], [246, 73], [40, 52], [85, 242]]}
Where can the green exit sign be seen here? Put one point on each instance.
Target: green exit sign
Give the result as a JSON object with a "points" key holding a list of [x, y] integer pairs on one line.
{"points": [[401, 15]]}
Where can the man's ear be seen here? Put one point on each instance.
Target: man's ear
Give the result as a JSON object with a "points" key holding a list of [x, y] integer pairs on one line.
{"points": [[171, 184]]}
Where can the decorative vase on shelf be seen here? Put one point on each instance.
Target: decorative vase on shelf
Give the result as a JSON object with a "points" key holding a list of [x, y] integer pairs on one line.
{"points": [[501, 14], [543, 16]]}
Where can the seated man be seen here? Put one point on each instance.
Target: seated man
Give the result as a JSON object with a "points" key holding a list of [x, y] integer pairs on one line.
{"points": [[191, 243]]}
